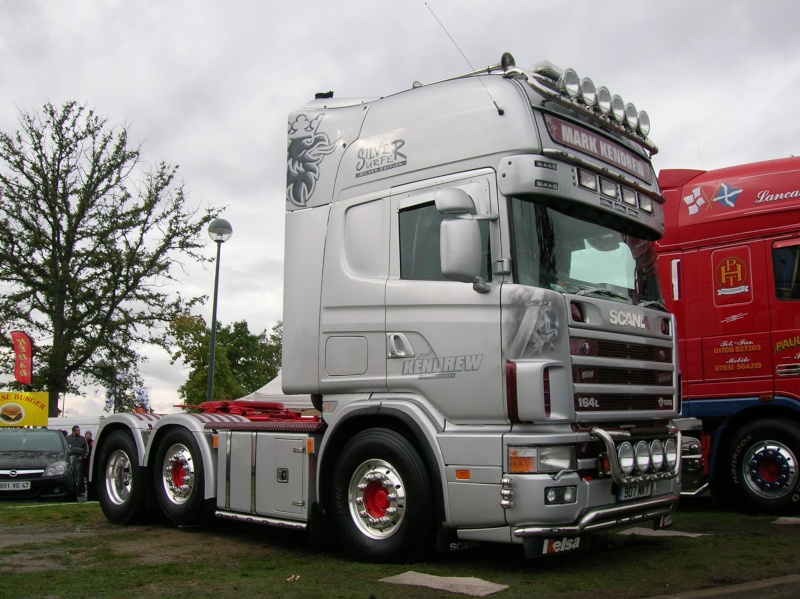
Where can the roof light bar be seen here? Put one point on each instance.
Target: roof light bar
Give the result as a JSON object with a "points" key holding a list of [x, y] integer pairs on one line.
{"points": [[582, 92]]}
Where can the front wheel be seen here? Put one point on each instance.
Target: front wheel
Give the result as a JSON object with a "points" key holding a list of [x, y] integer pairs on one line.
{"points": [[763, 466], [120, 485], [180, 480], [382, 498]]}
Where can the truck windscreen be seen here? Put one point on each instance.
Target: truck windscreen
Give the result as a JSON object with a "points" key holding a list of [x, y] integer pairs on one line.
{"points": [[557, 251]]}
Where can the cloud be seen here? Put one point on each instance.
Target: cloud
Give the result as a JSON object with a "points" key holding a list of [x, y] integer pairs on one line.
{"points": [[208, 85]]}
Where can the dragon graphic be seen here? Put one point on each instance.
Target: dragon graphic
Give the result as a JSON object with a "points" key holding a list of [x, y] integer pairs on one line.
{"points": [[306, 149]]}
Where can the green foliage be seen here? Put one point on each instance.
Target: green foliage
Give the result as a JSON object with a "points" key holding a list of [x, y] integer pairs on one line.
{"points": [[90, 239], [243, 361]]}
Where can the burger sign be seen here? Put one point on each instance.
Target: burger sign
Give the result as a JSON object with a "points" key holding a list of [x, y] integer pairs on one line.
{"points": [[11, 413], [18, 408]]}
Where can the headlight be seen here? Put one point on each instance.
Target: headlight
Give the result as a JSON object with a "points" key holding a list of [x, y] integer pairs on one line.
{"points": [[656, 454], [631, 116], [628, 196], [642, 454], [671, 453], [587, 180], [603, 100], [644, 123], [570, 83], [646, 204], [556, 458], [618, 108], [625, 457], [608, 188], [540, 460], [588, 92], [55, 469]]}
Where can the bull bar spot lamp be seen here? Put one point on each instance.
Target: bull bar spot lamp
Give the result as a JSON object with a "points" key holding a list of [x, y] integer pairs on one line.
{"points": [[219, 231]]}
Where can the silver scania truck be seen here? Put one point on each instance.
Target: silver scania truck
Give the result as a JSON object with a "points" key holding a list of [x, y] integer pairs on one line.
{"points": [[471, 305]]}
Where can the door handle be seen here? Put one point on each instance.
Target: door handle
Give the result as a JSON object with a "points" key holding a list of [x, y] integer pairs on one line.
{"points": [[398, 346], [787, 370]]}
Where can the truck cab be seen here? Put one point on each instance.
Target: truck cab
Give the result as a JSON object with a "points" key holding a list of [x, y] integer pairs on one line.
{"points": [[729, 264], [469, 265]]}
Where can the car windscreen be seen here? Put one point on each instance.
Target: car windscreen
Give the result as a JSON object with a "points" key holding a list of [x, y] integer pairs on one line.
{"points": [[22, 440]]}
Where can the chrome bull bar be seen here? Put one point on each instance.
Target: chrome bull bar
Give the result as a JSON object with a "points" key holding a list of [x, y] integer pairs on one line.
{"points": [[607, 517]]}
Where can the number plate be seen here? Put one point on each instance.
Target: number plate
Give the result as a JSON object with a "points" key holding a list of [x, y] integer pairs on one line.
{"points": [[15, 485], [636, 491]]}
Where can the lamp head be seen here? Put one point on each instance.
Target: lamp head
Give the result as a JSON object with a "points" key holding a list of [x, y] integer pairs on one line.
{"points": [[220, 230]]}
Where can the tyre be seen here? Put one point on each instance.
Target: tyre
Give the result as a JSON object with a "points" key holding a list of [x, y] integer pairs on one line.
{"points": [[382, 502], [762, 463], [120, 481], [179, 479]]}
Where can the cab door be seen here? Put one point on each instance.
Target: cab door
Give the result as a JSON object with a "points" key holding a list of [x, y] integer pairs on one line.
{"points": [[443, 336], [785, 315], [727, 310]]}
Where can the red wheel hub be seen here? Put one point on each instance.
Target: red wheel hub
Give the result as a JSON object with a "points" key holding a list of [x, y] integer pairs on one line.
{"points": [[178, 475], [376, 500], [769, 470]]}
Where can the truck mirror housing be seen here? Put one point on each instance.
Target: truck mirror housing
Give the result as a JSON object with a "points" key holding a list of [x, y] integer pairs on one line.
{"points": [[460, 248], [453, 201]]}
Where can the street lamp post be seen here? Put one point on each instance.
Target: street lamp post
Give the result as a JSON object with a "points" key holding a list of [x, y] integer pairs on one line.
{"points": [[220, 231]]}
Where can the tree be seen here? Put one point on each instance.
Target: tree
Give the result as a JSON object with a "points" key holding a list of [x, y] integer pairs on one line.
{"points": [[243, 361], [91, 238]]}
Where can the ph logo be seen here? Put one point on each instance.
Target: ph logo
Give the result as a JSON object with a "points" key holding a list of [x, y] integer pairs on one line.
{"points": [[731, 272]]}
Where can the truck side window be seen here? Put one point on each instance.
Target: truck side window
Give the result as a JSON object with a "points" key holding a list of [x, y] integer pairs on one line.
{"points": [[419, 244], [785, 262]]}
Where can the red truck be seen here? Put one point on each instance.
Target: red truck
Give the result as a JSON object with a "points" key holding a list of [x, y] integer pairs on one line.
{"points": [[729, 268]]}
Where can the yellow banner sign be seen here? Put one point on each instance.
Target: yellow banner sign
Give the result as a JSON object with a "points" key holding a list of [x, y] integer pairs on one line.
{"points": [[18, 408]]}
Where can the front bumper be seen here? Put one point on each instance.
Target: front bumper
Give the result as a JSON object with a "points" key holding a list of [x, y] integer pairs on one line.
{"points": [[56, 487], [653, 508]]}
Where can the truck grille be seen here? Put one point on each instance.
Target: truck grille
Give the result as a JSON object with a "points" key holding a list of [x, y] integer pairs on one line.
{"points": [[621, 376], [600, 402], [602, 348]]}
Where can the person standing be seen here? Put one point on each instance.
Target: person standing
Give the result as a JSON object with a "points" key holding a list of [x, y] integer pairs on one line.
{"points": [[86, 460], [77, 447]]}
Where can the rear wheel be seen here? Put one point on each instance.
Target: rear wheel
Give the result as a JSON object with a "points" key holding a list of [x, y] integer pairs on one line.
{"points": [[180, 480], [763, 466], [382, 498], [120, 485]]}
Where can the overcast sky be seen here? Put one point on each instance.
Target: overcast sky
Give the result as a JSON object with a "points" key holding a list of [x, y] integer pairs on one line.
{"points": [[208, 85]]}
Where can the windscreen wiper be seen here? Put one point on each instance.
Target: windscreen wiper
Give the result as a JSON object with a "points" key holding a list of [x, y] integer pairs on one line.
{"points": [[603, 291]]}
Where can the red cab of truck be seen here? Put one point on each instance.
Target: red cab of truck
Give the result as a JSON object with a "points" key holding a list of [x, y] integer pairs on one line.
{"points": [[729, 267]]}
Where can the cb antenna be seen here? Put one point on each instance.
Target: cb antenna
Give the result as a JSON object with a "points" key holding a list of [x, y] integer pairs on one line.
{"points": [[500, 111]]}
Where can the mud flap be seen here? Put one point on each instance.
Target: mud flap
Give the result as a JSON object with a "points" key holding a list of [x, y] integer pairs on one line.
{"points": [[319, 529], [447, 541]]}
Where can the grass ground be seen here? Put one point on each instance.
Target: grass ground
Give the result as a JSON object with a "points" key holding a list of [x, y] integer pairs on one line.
{"points": [[69, 550]]}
